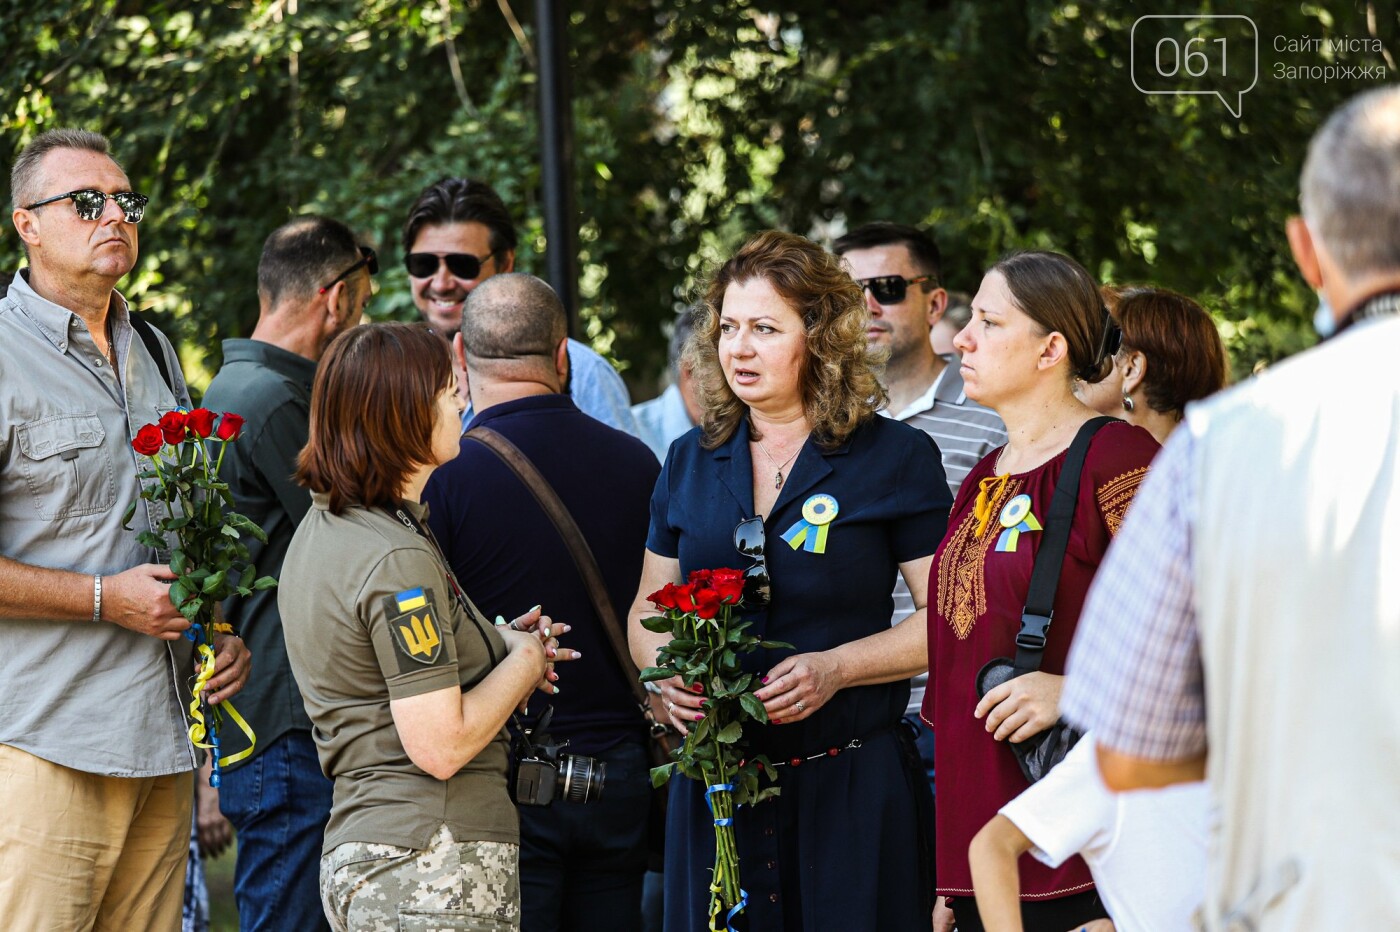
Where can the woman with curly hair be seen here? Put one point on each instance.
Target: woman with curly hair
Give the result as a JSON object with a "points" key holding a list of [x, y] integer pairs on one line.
{"points": [[793, 472]]}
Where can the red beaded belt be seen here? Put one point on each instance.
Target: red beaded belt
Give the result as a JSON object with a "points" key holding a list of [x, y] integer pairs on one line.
{"points": [[853, 744]]}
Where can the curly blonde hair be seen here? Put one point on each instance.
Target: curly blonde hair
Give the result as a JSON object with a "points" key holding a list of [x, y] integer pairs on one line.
{"points": [[839, 385]]}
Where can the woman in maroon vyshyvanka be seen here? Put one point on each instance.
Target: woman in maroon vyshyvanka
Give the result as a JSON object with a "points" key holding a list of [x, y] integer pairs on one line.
{"points": [[1038, 324]]}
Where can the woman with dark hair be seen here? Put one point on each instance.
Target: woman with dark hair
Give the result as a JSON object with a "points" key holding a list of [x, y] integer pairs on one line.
{"points": [[1037, 325], [789, 400], [407, 686], [1171, 354]]}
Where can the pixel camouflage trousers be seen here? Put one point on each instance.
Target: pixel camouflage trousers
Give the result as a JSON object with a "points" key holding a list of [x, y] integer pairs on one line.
{"points": [[450, 886]]}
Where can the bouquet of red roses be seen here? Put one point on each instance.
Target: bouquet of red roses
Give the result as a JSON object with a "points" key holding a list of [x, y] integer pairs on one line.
{"points": [[209, 560], [707, 641]]}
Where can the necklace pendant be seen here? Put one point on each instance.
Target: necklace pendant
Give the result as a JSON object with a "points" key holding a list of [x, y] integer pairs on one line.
{"points": [[778, 480]]}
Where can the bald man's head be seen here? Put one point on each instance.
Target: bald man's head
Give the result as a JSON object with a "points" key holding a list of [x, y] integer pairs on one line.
{"points": [[512, 322]]}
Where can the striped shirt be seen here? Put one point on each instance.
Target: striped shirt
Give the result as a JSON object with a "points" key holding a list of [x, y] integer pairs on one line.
{"points": [[965, 433]]}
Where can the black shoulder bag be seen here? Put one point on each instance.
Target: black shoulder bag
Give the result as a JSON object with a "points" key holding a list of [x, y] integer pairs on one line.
{"points": [[1038, 753]]}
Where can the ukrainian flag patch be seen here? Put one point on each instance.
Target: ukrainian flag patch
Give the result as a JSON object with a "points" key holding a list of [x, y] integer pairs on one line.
{"points": [[416, 629], [410, 599]]}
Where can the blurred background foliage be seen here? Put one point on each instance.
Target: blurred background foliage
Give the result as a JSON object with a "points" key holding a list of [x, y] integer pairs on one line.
{"points": [[996, 124]]}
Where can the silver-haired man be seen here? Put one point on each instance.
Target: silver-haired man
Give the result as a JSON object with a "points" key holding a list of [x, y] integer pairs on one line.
{"points": [[1246, 624], [95, 765]]}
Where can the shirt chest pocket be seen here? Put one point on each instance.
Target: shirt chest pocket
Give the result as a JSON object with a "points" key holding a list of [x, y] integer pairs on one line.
{"points": [[67, 465]]}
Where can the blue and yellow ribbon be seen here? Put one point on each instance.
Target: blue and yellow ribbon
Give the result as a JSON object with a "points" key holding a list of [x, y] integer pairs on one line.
{"points": [[199, 729], [1017, 519], [718, 788], [715, 888], [810, 532]]}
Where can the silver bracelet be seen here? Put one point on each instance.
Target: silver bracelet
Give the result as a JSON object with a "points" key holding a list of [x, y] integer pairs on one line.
{"points": [[653, 688], [96, 596]]}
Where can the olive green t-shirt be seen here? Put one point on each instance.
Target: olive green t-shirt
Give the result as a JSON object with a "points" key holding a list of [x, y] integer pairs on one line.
{"points": [[368, 615]]}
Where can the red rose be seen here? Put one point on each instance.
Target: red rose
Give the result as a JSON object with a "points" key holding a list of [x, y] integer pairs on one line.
{"points": [[148, 440], [172, 425], [700, 577], [665, 597], [230, 426], [201, 422], [685, 597], [707, 603], [729, 585]]}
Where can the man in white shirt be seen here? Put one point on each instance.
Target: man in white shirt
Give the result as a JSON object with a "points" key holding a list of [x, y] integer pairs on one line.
{"points": [[676, 410], [1244, 625]]}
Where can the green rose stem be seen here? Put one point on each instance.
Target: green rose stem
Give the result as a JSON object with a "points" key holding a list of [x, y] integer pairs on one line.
{"points": [[705, 652]]}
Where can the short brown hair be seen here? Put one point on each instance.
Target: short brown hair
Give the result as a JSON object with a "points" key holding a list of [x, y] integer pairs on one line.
{"points": [[1185, 355], [1062, 297], [839, 387], [373, 409], [24, 174]]}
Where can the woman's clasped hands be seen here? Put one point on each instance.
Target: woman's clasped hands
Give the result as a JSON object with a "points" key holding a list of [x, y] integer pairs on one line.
{"points": [[536, 631]]}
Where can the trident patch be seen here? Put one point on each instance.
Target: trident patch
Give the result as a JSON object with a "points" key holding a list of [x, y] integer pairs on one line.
{"points": [[414, 625]]}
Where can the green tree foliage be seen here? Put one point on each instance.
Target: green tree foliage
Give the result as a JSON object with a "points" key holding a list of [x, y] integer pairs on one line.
{"points": [[998, 124]]}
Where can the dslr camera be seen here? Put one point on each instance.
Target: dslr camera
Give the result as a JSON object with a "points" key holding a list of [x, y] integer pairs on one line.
{"points": [[540, 771]]}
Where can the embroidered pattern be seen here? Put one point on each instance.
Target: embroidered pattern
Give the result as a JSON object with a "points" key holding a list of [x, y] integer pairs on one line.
{"points": [[962, 580], [1116, 495]]}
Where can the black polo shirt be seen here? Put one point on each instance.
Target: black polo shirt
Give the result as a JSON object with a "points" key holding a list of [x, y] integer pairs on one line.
{"points": [[508, 556], [271, 387]]}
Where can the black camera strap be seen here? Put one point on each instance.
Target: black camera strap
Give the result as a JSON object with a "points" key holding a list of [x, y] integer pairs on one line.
{"points": [[1050, 558]]}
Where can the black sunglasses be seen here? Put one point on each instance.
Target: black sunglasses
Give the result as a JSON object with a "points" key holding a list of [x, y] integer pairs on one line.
{"points": [[891, 289], [749, 540], [90, 203], [368, 258], [460, 264], [1112, 336]]}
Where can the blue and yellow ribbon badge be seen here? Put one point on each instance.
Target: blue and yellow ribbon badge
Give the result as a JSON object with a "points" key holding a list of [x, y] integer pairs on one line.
{"points": [[1016, 518], [810, 533], [410, 599]]}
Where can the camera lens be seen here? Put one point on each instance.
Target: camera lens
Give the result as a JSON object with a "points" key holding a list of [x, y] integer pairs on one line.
{"points": [[582, 777]]}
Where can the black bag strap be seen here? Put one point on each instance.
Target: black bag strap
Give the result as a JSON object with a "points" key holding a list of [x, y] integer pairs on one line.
{"points": [[1050, 558], [147, 333], [584, 560]]}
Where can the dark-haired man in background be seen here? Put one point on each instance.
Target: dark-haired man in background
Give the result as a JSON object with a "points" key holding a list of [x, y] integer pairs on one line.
{"points": [[459, 234], [898, 268], [313, 284]]}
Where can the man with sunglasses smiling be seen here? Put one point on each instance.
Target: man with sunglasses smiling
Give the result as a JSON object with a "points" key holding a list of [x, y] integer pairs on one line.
{"points": [[313, 285], [95, 767], [459, 234]]}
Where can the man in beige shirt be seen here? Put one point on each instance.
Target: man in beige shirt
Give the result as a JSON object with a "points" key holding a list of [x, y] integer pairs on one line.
{"points": [[95, 765]]}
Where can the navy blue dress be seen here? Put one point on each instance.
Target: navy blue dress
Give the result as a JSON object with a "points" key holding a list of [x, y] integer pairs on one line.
{"points": [[839, 847]]}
